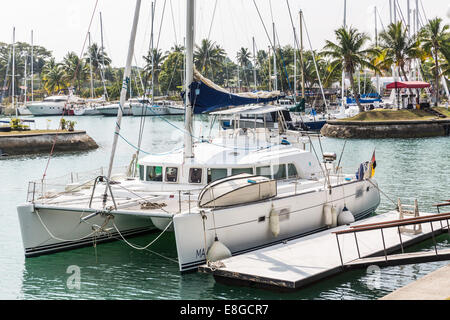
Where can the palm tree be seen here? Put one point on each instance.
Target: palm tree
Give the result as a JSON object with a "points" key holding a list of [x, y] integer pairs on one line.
{"points": [[243, 57], [397, 47], [75, 69], [434, 36], [53, 76], [349, 54], [155, 63], [97, 57], [208, 56]]}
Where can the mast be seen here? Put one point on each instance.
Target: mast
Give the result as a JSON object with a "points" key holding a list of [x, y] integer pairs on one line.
{"points": [[25, 80], [190, 28], [409, 17], [343, 64], [32, 67], [105, 92], [13, 71], [301, 54], [153, 53], [390, 11], [376, 45], [395, 11], [275, 81], [123, 93], [254, 64], [90, 68], [270, 72], [295, 67], [345, 13]]}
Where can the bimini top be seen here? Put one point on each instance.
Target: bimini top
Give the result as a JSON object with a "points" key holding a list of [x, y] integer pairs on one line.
{"points": [[206, 96], [408, 85]]}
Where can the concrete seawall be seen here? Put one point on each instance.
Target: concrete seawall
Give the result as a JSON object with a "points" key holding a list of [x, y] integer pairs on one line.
{"points": [[386, 129], [30, 143]]}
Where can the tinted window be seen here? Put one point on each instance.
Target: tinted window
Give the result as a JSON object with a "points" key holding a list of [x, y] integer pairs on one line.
{"points": [[292, 171], [172, 174], [154, 173], [264, 171], [141, 172], [195, 175], [279, 171], [241, 170], [216, 174]]}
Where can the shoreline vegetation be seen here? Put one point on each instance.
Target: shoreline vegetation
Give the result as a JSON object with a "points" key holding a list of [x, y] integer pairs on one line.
{"points": [[381, 124], [394, 49]]}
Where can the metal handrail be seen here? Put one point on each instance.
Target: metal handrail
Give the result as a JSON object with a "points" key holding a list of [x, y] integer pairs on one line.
{"points": [[396, 223]]}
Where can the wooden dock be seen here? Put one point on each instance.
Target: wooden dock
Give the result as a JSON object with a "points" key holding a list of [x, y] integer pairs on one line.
{"points": [[300, 262]]}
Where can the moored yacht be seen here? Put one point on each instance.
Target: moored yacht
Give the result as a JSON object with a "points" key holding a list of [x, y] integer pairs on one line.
{"points": [[244, 187], [53, 105], [144, 107]]}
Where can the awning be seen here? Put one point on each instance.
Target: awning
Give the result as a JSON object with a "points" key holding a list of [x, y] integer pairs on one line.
{"points": [[408, 85]]}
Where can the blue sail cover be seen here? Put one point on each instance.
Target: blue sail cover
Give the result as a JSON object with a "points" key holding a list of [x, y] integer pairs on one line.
{"points": [[205, 96], [365, 98]]}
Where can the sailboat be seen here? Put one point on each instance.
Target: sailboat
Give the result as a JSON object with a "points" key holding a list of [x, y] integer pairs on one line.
{"points": [[244, 189]]}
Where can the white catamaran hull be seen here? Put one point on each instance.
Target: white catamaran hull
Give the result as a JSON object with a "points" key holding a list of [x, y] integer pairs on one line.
{"points": [[47, 231], [248, 227]]}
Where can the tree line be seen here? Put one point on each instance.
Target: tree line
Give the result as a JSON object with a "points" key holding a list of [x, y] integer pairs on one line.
{"points": [[351, 52]]}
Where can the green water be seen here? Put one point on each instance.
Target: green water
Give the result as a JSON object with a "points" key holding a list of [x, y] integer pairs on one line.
{"points": [[409, 169]]}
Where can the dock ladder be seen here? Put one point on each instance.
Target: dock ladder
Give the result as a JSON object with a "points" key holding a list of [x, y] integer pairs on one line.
{"points": [[416, 229]]}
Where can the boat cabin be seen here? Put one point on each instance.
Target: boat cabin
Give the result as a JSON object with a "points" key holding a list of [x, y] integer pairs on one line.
{"points": [[213, 162]]}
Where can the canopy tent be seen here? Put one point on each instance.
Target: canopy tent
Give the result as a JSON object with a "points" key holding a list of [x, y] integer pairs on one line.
{"points": [[206, 96], [408, 85]]}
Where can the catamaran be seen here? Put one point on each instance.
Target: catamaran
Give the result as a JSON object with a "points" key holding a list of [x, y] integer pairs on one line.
{"points": [[244, 189]]}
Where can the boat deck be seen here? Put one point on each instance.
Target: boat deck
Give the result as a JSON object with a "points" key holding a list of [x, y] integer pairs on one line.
{"points": [[138, 197]]}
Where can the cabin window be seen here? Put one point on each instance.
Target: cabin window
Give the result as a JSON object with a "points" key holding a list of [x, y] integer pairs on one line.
{"points": [[279, 172], [171, 174], [264, 171], [241, 170], [216, 174], [141, 172], [154, 174], [195, 175], [292, 171]]}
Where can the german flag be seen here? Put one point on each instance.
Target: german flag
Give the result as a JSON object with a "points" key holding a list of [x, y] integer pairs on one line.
{"points": [[373, 164]]}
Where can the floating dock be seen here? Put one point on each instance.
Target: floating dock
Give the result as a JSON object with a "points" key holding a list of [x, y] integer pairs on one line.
{"points": [[295, 264], [434, 286]]}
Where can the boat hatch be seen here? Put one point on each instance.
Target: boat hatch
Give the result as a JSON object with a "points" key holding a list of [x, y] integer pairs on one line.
{"points": [[235, 190]]}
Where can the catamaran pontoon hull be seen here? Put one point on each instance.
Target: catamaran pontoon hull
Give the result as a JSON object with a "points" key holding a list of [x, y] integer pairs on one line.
{"points": [[49, 230], [247, 227]]}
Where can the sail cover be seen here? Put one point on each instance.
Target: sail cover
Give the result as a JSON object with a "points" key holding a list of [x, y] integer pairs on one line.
{"points": [[206, 96]]}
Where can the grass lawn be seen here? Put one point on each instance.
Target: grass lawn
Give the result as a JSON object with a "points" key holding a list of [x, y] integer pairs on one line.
{"points": [[392, 115], [30, 132]]}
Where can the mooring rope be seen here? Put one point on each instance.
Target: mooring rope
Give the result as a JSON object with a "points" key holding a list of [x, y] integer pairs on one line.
{"points": [[147, 246], [59, 239]]}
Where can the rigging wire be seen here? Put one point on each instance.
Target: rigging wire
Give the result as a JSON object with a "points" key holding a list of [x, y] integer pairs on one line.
{"points": [[76, 72]]}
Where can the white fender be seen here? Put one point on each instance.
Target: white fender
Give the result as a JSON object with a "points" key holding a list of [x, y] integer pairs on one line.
{"points": [[218, 251], [274, 222], [334, 215], [345, 217], [327, 212]]}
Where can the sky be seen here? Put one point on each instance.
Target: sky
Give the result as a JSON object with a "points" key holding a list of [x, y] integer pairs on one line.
{"points": [[62, 25]]}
